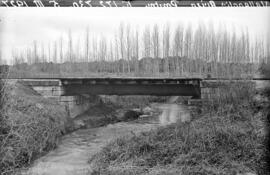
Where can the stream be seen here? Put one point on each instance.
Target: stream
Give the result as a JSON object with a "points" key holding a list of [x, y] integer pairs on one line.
{"points": [[74, 150]]}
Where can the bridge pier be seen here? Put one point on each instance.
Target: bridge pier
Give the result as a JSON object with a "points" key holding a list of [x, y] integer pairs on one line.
{"points": [[78, 104], [53, 89]]}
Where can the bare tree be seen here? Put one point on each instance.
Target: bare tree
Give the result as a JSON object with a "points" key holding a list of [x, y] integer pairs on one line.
{"points": [[43, 56], [61, 49], [200, 49], [15, 57], [49, 52], [94, 48], [187, 46], [55, 52], [212, 50], [111, 52], [116, 51], [155, 43], [136, 54], [70, 47], [178, 41], [178, 48], [102, 52], [147, 49], [166, 47], [35, 54], [77, 56], [28, 55], [147, 41], [128, 45], [87, 45], [166, 41], [122, 44]]}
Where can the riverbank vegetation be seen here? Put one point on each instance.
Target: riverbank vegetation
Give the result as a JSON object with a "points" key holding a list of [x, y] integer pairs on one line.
{"points": [[229, 136], [30, 126], [265, 70]]}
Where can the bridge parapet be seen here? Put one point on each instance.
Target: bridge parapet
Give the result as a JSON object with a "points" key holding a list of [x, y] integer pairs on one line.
{"points": [[45, 87], [40, 82]]}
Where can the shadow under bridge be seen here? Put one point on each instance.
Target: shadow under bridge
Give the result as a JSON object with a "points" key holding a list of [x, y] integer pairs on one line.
{"points": [[131, 86]]}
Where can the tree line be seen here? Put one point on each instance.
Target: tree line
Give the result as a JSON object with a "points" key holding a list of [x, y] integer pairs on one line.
{"points": [[154, 51]]}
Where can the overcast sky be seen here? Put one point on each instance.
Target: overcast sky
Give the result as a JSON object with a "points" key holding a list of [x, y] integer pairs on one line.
{"points": [[19, 27]]}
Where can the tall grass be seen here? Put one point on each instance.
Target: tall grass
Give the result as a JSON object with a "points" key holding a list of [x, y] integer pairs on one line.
{"points": [[4, 127], [265, 69], [227, 138], [29, 127]]}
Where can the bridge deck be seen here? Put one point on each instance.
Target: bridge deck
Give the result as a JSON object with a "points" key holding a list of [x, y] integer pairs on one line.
{"points": [[134, 80], [122, 86], [106, 80], [130, 86]]}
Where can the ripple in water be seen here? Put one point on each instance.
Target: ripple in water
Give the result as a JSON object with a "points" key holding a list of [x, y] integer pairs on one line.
{"points": [[172, 113]]}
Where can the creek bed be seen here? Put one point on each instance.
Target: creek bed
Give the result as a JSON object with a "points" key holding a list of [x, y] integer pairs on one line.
{"points": [[75, 149]]}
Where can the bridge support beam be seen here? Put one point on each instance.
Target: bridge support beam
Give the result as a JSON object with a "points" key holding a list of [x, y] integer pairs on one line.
{"points": [[133, 89]]}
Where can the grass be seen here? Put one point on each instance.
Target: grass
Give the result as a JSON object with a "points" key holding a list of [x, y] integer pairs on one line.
{"points": [[265, 69], [30, 126], [228, 137]]}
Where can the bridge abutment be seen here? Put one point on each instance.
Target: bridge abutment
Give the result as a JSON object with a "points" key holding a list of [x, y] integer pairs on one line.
{"points": [[75, 105]]}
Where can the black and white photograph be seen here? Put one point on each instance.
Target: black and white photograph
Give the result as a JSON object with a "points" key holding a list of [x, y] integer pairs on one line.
{"points": [[134, 90]]}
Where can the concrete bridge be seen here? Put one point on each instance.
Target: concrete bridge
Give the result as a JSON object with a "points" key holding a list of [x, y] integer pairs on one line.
{"points": [[78, 93], [116, 86]]}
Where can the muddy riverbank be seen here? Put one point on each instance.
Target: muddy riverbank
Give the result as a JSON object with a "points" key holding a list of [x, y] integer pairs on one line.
{"points": [[74, 150], [72, 154]]}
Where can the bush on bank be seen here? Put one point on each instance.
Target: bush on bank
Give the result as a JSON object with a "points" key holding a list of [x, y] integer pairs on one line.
{"points": [[229, 137], [30, 126]]}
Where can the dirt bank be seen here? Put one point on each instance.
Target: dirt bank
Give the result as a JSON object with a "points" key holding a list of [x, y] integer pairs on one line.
{"points": [[32, 126], [72, 154]]}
